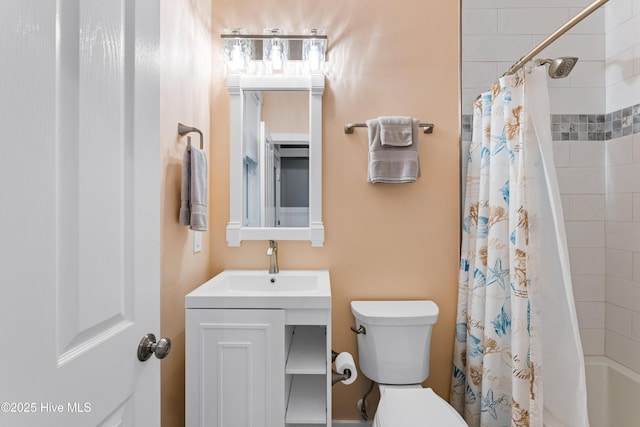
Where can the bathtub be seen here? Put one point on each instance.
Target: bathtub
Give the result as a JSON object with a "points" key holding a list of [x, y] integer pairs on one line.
{"points": [[613, 395]]}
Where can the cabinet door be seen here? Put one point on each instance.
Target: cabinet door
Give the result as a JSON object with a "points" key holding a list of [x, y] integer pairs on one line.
{"points": [[234, 368]]}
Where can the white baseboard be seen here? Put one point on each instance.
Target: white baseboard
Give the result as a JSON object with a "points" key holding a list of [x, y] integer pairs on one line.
{"points": [[352, 423]]}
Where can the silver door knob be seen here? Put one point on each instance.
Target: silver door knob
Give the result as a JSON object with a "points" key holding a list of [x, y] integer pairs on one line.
{"points": [[149, 346]]}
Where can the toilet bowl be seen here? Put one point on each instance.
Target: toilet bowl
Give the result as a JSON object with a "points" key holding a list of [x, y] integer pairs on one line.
{"points": [[394, 339], [415, 406]]}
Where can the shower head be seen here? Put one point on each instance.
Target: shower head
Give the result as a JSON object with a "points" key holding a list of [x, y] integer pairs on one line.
{"points": [[559, 68]]}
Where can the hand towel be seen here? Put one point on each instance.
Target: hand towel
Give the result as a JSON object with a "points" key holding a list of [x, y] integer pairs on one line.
{"points": [[389, 164], [396, 131], [199, 190], [185, 193]]}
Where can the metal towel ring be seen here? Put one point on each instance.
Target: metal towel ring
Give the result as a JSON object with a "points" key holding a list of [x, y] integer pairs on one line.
{"points": [[183, 130]]}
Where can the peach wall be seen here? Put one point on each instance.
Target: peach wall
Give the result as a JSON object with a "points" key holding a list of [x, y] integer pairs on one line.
{"points": [[382, 241], [185, 63], [286, 112]]}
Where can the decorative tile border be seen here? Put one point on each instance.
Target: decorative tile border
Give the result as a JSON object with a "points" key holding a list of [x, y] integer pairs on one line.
{"points": [[578, 127], [623, 122], [467, 126], [582, 127]]}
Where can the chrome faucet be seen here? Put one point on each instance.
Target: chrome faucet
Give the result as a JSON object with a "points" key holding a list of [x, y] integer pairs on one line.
{"points": [[273, 253]]}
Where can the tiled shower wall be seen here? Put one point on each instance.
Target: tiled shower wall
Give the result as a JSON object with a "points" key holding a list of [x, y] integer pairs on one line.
{"points": [[496, 33], [595, 127], [622, 251], [581, 177], [622, 224]]}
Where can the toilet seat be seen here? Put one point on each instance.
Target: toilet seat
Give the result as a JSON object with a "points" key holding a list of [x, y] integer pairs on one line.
{"points": [[415, 407]]}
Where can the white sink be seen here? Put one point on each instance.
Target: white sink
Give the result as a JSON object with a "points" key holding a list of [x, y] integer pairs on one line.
{"points": [[262, 282], [259, 289]]}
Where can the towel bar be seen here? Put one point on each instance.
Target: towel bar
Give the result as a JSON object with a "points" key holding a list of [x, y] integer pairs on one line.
{"points": [[348, 128], [183, 130]]}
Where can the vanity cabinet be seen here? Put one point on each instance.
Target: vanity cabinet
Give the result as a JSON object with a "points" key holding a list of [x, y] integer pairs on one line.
{"points": [[258, 367], [234, 368]]}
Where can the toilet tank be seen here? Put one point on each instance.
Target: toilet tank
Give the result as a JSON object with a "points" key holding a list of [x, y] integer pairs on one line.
{"points": [[395, 347]]}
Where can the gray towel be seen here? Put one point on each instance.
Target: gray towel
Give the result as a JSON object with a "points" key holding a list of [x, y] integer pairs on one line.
{"points": [[389, 164], [185, 194], [199, 190], [396, 131], [194, 191]]}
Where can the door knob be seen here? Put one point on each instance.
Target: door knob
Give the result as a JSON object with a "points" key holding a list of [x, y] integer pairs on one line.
{"points": [[149, 346]]}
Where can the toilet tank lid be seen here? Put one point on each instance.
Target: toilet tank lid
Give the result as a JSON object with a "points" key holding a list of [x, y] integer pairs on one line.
{"points": [[421, 312]]}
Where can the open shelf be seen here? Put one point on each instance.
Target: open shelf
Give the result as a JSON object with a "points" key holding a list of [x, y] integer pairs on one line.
{"points": [[307, 400], [308, 353]]}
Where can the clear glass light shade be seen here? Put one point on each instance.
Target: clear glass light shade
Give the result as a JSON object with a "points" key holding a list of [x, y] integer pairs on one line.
{"points": [[313, 50], [275, 51], [237, 51]]}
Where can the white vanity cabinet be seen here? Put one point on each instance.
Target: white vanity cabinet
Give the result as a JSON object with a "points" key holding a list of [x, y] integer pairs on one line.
{"points": [[307, 368], [258, 368], [234, 368], [258, 350]]}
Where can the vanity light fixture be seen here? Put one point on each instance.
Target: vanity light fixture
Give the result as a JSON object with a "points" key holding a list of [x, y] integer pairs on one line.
{"points": [[237, 50], [274, 52], [274, 49], [313, 50]]}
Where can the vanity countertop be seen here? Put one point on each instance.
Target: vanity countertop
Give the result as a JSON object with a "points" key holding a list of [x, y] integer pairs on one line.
{"points": [[288, 289]]}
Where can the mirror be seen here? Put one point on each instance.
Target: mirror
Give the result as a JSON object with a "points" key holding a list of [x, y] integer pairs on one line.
{"points": [[276, 158]]}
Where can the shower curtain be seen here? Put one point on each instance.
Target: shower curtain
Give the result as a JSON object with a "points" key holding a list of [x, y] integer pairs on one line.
{"points": [[516, 330]]}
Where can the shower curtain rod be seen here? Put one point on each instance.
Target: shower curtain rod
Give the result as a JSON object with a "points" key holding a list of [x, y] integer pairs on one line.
{"points": [[553, 37]]}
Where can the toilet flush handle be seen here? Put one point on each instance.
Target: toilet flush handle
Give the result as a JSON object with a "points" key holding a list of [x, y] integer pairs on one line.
{"points": [[360, 330]]}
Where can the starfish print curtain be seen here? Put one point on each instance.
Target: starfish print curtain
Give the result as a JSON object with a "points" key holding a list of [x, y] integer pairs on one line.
{"points": [[498, 356]]}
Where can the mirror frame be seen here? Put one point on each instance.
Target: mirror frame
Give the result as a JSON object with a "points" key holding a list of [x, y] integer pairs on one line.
{"points": [[236, 85]]}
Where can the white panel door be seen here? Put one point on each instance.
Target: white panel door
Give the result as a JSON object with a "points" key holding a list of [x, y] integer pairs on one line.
{"points": [[79, 220], [235, 368]]}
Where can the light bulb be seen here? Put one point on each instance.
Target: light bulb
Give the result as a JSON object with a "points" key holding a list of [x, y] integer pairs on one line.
{"points": [[313, 50], [237, 58], [314, 58], [276, 56]]}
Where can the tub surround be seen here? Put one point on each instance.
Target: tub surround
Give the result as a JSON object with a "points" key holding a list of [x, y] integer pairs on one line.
{"points": [[597, 154]]}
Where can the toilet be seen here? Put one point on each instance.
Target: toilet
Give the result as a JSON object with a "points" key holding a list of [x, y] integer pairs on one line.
{"points": [[394, 339]]}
